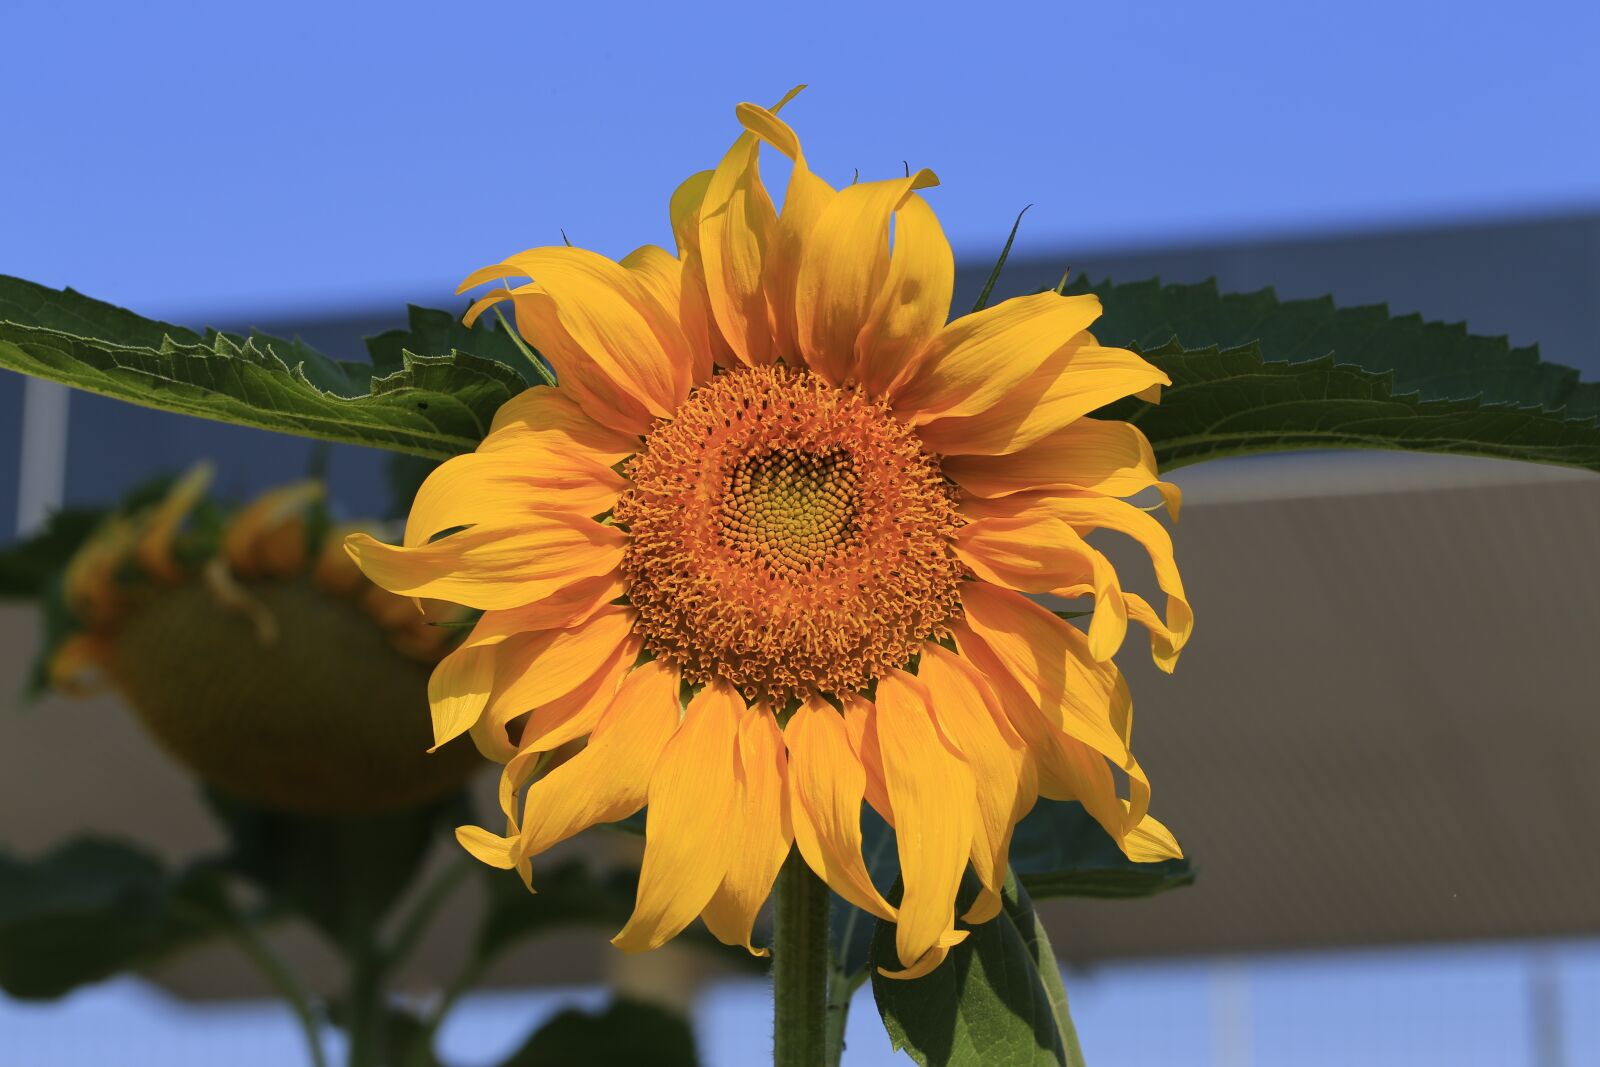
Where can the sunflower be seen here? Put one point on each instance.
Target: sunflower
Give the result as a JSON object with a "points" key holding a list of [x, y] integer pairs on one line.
{"points": [[215, 628], [772, 545]]}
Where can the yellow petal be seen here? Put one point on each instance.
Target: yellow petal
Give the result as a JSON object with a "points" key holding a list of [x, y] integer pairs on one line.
{"points": [[506, 487], [861, 726], [694, 308], [737, 225], [932, 793], [490, 567], [1049, 662], [1070, 383], [765, 832], [1086, 513], [574, 715], [737, 230], [803, 202], [486, 847], [268, 537], [506, 729], [614, 319], [592, 386], [545, 416], [566, 607], [844, 267], [914, 304], [929, 960], [608, 780], [1089, 455], [1067, 769], [78, 665], [659, 271], [458, 691], [1034, 552], [684, 211], [827, 785], [970, 718], [537, 669], [154, 548], [980, 359], [1151, 842], [691, 826], [1164, 641]]}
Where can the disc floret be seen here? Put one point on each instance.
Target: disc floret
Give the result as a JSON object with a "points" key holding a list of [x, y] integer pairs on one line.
{"points": [[788, 536]]}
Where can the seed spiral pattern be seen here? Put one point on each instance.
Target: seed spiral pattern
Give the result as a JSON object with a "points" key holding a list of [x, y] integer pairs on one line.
{"points": [[788, 536]]}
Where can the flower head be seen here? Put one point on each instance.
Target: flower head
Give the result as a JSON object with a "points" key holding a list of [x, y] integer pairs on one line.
{"points": [[255, 652], [769, 546]]}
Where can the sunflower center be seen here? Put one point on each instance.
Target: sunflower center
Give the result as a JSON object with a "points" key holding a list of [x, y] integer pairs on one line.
{"points": [[791, 508], [788, 536]]}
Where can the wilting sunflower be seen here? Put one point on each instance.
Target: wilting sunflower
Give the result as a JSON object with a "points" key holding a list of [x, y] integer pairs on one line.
{"points": [[255, 652], [770, 545]]}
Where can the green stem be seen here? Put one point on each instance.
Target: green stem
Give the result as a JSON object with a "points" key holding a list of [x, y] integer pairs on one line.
{"points": [[421, 916], [841, 987], [365, 1004], [242, 931], [800, 968], [283, 981], [422, 1049]]}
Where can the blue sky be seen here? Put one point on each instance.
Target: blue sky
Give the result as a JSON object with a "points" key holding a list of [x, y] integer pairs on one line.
{"points": [[202, 160]]}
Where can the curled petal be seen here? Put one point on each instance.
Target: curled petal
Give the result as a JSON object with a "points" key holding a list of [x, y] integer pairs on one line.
{"points": [[803, 202], [969, 717], [861, 726], [154, 547], [980, 359], [844, 265], [694, 309], [611, 316], [559, 676], [489, 567], [691, 827], [1034, 552], [1089, 455], [609, 778], [827, 785], [1068, 384], [737, 228], [932, 792], [765, 831], [505, 487], [1087, 512], [1054, 691], [914, 303], [543, 416]]}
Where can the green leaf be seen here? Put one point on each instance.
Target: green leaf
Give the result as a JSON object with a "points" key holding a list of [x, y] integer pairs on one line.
{"points": [[343, 873], [90, 909], [27, 566], [1252, 374], [430, 390], [1059, 851], [997, 999], [629, 1033]]}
